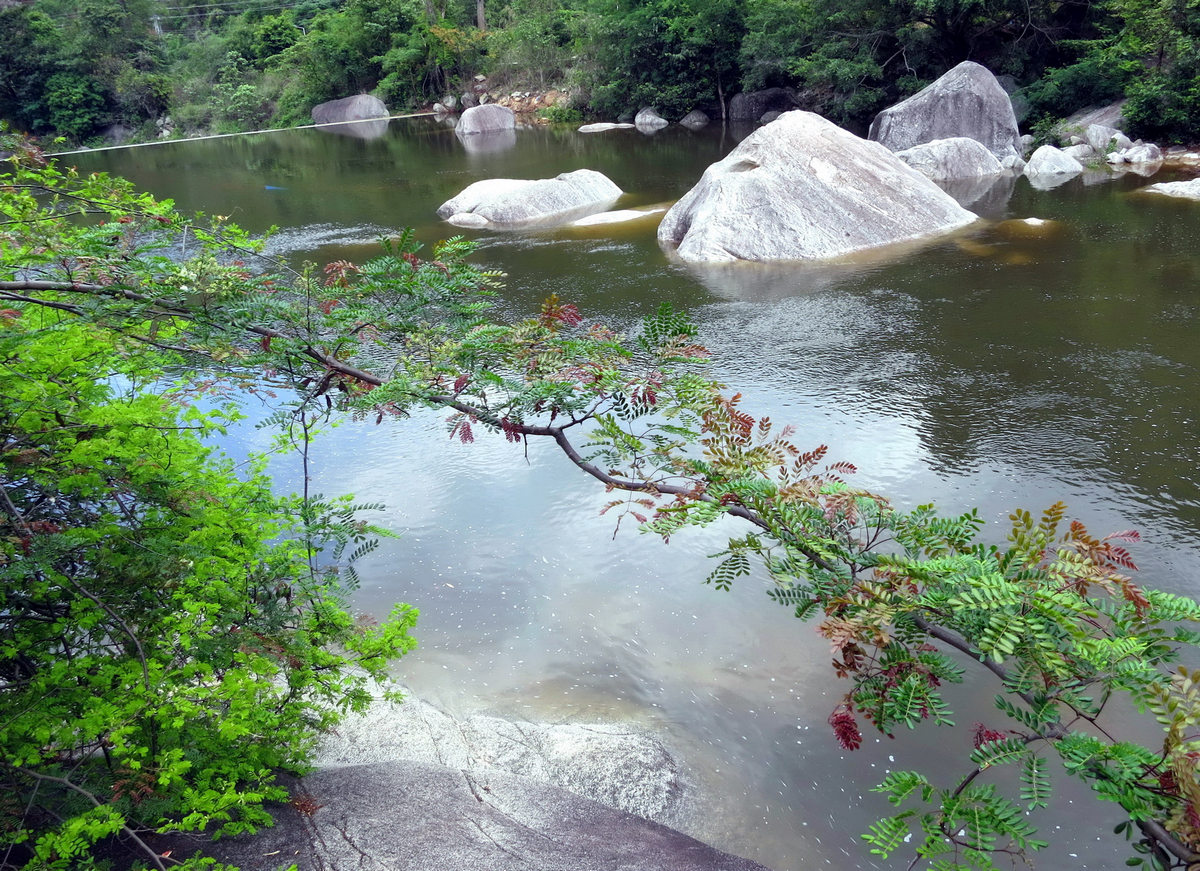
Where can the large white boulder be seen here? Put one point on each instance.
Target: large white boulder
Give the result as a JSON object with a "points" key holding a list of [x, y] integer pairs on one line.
{"points": [[648, 120], [485, 119], [966, 101], [951, 159], [801, 188], [356, 108], [1084, 153], [1099, 136], [1049, 160], [1144, 153], [515, 202]]}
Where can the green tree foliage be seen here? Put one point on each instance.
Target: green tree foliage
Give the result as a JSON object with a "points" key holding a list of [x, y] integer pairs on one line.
{"points": [[365, 44], [27, 63], [537, 38], [673, 54], [171, 632], [1165, 103], [74, 104]]}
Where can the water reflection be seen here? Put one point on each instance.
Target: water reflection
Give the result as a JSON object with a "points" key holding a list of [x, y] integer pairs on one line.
{"points": [[1012, 365], [987, 196], [490, 142], [373, 128]]}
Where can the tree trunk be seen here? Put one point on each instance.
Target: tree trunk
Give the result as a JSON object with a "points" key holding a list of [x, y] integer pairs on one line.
{"points": [[480, 20]]}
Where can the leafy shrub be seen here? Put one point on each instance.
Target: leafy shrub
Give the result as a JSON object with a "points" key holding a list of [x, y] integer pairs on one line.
{"points": [[75, 104], [1098, 78], [1166, 106], [171, 632], [561, 114]]}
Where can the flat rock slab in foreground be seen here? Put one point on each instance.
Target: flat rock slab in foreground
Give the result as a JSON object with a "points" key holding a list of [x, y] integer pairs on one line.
{"points": [[801, 188], [512, 203], [423, 817], [622, 768]]}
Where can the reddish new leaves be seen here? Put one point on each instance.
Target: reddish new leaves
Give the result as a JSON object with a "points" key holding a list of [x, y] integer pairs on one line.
{"points": [[845, 727], [984, 735], [555, 312]]}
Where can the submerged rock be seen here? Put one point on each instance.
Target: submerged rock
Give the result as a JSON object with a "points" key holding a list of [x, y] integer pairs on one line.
{"points": [[614, 765], [426, 817], [954, 158], [802, 188], [511, 203], [694, 120], [1189, 190], [490, 118], [604, 127], [622, 216], [966, 101]]}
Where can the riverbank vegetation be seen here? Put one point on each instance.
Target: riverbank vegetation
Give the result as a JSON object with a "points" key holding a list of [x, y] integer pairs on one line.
{"points": [[171, 632], [76, 69]]}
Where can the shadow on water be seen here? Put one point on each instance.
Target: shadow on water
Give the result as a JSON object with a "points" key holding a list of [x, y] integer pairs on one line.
{"points": [[1012, 364]]}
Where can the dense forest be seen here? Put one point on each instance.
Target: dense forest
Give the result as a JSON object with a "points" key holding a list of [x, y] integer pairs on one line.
{"points": [[76, 68]]}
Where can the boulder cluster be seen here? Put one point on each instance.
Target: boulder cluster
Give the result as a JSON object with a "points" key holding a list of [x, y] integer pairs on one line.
{"points": [[799, 188]]}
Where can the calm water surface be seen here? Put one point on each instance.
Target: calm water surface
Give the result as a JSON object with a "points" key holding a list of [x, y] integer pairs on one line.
{"points": [[1002, 368]]}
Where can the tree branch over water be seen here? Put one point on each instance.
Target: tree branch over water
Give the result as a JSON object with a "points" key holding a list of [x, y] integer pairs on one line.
{"points": [[1051, 613]]}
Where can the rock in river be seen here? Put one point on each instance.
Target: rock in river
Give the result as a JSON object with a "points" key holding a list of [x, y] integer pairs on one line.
{"points": [[1049, 160], [966, 101], [750, 106], [604, 127], [951, 159], [512, 203], [485, 119], [354, 108], [1189, 190], [802, 188], [648, 120], [424, 817]]}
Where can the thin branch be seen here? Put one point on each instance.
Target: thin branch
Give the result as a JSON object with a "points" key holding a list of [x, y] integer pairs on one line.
{"points": [[62, 781], [1155, 831]]}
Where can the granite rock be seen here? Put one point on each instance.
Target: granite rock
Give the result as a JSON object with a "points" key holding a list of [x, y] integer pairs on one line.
{"points": [[801, 188], [966, 101]]}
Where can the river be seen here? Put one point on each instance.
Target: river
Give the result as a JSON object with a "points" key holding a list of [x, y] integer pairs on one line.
{"points": [[1001, 368]]}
